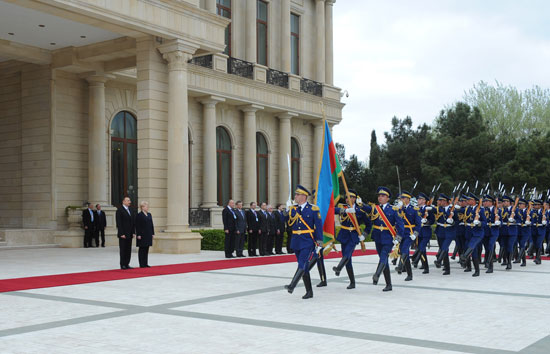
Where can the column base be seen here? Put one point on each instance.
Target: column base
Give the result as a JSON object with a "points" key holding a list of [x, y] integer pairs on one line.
{"points": [[177, 242], [70, 238]]}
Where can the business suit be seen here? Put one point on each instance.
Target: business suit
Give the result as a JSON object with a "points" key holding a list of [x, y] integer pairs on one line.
{"points": [[272, 233], [126, 225], [100, 225], [229, 218], [280, 221], [88, 219], [263, 232], [145, 230], [240, 233], [253, 226]]}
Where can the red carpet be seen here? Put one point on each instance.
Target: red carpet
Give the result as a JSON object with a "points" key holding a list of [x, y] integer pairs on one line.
{"points": [[48, 281]]}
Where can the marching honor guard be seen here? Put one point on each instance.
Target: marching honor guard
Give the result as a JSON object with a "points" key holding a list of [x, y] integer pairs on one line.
{"points": [[461, 227], [412, 223], [387, 231], [491, 230], [307, 230], [524, 232], [539, 222], [348, 235], [446, 223], [427, 220], [509, 229], [475, 221]]}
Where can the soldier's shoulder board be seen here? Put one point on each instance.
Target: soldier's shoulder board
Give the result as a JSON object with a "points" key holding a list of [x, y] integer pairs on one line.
{"points": [[314, 207], [416, 208], [396, 208]]}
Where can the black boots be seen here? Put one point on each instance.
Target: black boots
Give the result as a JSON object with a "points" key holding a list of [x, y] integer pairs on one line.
{"points": [[400, 265], [476, 267], [340, 265], [446, 265], [440, 257], [379, 270], [522, 257], [408, 269], [466, 255], [416, 257], [489, 259], [307, 284], [351, 278], [537, 256], [521, 252], [299, 273], [387, 277], [321, 268], [508, 260], [425, 265]]}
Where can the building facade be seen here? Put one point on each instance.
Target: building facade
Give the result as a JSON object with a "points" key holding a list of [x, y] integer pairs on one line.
{"points": [[183, 103]]}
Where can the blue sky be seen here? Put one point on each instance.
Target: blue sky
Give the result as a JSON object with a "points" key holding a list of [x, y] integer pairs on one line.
{"points": [[416, 57]]}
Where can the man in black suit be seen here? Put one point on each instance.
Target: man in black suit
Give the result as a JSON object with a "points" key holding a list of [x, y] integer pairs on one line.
{"points": [[272, 226], [253, 226], [240, 234], [100, 225], [229, 218], [263, 233], [281, 226], [126, 225], [88, 219]]}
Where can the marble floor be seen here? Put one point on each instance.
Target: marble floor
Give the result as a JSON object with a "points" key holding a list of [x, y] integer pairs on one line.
{"points": [[246, 310]]}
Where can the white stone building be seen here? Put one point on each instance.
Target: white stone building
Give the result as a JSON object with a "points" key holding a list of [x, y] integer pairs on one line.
{"points": [[183, 103]]}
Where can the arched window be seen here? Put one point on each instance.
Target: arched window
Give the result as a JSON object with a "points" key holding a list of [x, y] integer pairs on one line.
{"points": [[124, 158], [295, 163], [223, 158], [262, 166]]}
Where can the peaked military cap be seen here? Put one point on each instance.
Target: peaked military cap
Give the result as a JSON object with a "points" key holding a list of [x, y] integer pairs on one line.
{"points": [[443, 196], [508, 198], [422, 196], [522, 200], [352, 193], [463, 197], [488, 198], [302, 190], [383, 190], [405, 194], [537, 201]]}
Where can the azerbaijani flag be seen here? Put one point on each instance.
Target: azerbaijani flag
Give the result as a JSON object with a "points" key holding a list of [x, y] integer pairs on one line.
{"points": [[327, 186]]}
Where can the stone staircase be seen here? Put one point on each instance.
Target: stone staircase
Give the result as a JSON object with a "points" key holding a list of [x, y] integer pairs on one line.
{"points": [[26, 238]]}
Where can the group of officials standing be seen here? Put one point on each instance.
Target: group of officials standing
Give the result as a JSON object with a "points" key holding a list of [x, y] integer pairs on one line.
{"points": [[94, 222], [475, 224], [264, 228]]}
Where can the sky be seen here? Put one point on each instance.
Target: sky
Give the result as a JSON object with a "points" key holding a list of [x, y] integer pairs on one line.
{"points": [[414, 58]]}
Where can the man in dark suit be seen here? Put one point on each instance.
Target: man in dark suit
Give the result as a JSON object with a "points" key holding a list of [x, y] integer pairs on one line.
{"points": [[272, 226], [263, 233], [280, 220], [100, 224], [240, 234], [88, 219], [253, 227], [229, 218], [126, 225]]}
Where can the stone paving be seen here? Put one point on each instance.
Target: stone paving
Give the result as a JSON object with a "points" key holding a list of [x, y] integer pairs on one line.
{"points": [[246, 310]]}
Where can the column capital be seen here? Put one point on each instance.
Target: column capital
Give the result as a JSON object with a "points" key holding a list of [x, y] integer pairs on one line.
{"points": [[251, 108], [210, 100], [317, 123], [286, 115], [177, 52], [97, 79], [330, 2]]}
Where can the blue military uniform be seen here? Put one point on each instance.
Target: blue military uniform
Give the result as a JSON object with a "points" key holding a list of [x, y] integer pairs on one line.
{"points": [[307, 230], [538, 230], [428, 216], [474, 222], [491, 232], [509, 231], [348, 236], [446, 220], [412, 224], [382, 236], [524, 232], [460, 229]]}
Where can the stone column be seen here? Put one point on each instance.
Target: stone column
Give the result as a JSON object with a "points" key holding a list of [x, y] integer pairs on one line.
{"points": [[329, 54], [251, 31], [320, 39], [211, 6], [97, 140], [249, 154], [209, 175], [284, 154], [317, 146], [177, 53], [285, 36]]}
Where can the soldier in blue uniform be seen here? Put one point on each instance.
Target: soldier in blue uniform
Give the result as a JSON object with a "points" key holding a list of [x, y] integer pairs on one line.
{"points": [[412, 224], [524, 232], [474, 221], [491, 230], [307, 230], [387, 231], [460, 228], [538, 228], [446, 228], [545, 221], [508, 231], [427, 220], [348, 236]]}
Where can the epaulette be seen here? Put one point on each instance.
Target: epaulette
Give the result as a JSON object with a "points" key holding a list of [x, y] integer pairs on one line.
{"points": [[396, 207], [341, 205], [416, 208], [314, 207]]}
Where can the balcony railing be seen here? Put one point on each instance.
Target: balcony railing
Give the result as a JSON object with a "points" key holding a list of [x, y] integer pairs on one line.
{"points": [[240, 68], [277, 78], [311, 87], [205, 61]]}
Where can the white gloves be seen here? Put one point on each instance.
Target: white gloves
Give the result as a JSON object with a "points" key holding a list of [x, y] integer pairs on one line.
{"points": [[400, 203], [424, 220], [429, 208], [358, 200], [413, 237], [511, 220], [497, 223], [361, 238], [528, 222], [457, 207], [477, 222], [288, 204], [395, 242], [544, 222], [350, 210], [450, 220]]}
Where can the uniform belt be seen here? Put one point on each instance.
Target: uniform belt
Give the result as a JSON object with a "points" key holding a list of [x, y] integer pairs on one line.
{"points": [[443, 225], [300, 232], [349, 228], [539, 225], [380, 227], [462, 224]]}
